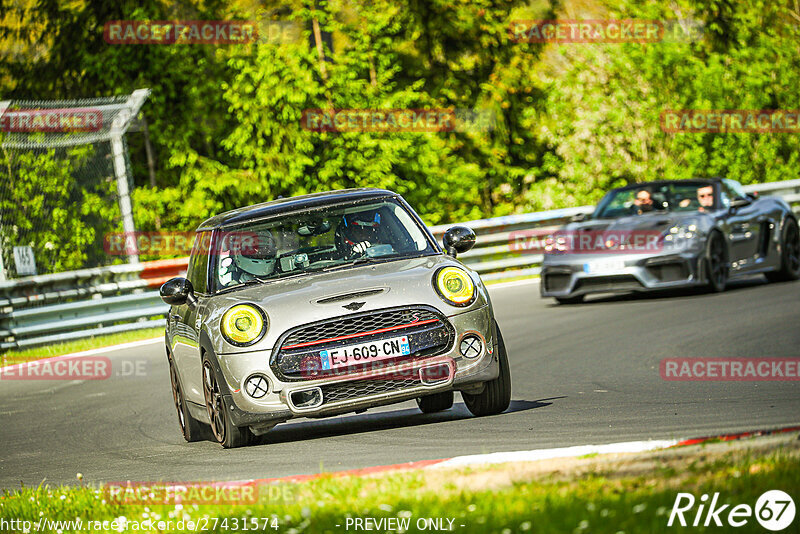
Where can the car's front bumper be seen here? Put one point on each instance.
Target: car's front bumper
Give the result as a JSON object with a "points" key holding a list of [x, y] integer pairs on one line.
{"points": [[368, 389], [572, 275]]}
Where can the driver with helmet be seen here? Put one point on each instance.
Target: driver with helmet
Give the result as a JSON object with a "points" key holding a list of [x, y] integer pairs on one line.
{"points": [[359, 231], [253, 256]]}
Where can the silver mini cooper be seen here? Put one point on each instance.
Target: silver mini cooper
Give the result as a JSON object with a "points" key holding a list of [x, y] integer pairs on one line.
{"points": [[326, 304]]}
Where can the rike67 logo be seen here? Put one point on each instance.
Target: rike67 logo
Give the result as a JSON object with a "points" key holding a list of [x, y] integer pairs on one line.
{"points": [[774, 510]]}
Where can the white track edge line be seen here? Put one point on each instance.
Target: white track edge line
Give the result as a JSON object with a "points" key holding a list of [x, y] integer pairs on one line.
{"points": [[548, 454]]}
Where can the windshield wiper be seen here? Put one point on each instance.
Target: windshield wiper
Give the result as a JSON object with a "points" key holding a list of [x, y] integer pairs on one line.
{"points": [[359, 261]]}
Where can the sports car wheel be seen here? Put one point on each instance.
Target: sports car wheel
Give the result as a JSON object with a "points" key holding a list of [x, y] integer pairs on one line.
{"points": [[716, 263], [570, 300], [496, 394], [191, 428], [790, 254], [436, 402], [225, 432]]}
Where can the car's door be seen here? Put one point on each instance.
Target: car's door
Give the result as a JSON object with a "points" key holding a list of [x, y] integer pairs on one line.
{"points": [[186, 322], [744, 226]]}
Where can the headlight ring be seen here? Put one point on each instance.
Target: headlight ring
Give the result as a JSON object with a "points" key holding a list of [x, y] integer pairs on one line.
{"points": [[243, 325], [454, 286]]}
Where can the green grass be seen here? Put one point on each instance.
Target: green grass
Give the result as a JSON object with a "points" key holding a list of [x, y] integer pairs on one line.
{"points": [[78, 345], [498, 499]]}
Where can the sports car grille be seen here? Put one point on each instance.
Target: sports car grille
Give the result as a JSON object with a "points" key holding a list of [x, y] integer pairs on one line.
{"points": [[363, 388], [429, 333], [609, 283]]}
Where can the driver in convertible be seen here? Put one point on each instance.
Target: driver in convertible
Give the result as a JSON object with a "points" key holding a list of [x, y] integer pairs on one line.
{"points": [[705, 199], [644, 201], [359, 231]]}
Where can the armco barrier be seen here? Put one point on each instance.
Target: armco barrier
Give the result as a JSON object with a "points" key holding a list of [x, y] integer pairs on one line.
{"points": [[57, 307], [77, 304]]}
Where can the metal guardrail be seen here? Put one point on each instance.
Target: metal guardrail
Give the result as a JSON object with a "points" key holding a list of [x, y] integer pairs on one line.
{"points": [[51, 308], [77, 304]]}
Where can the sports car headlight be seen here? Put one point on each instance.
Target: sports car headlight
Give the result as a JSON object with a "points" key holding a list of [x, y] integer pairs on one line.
{"points": [[681, 236], [454, 286], [243, 325]]}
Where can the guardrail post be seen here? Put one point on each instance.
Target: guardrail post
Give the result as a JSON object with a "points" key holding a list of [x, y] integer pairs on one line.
{"points": [[3, 107], [118, 129]]}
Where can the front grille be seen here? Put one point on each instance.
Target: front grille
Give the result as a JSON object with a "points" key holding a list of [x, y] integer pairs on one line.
{"points": [[363, 388], [669, 272], [609, 283], [297, 351], [354, 325]]}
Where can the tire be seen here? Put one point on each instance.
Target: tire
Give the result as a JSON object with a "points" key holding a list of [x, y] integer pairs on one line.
{"points": [[225, 432], [435, 403], [192, 429], [496, 395], [716, 263], [570, 300], [790, 254]]}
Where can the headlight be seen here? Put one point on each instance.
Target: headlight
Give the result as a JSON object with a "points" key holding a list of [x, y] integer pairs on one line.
{"points": [[681, 236], [454, 286], [243, 325]]}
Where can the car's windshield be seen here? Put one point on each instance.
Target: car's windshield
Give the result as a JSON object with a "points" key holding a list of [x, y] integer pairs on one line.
{"points": [[690, 196], [323, 239]]}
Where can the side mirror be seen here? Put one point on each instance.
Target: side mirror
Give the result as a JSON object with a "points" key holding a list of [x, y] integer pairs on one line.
{"points": [[737, 203], [177, 291], [458, 239], [580, 217]]}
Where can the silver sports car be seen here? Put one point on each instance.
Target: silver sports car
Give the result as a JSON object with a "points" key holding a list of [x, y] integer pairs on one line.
{"points": [[669, 234], [325, 304]]}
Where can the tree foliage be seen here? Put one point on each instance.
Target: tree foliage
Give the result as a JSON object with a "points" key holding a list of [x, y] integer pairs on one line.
{"points": [[571, 120]]}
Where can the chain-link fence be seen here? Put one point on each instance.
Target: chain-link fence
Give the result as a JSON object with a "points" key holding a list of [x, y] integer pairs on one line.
{"points": [[64, 182]]}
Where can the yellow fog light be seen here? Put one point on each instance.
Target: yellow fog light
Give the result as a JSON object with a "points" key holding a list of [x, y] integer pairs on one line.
{"points": [[243, 324], [454, 286]]}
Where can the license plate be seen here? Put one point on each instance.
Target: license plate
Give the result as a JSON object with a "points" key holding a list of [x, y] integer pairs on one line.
{"points": [[605, 266], [364, 352]]}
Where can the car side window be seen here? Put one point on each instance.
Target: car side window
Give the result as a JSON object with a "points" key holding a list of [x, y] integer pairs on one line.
{"points": [[197, 272]]}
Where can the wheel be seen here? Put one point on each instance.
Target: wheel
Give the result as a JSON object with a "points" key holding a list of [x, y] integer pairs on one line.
{"points": [[436, 402], [496, 394], [570, 300], [226, 433], [716, 263], [790, 254], [191, 428]]}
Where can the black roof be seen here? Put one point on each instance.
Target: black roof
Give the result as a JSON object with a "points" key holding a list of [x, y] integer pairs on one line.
{"points": [[290, 204]]}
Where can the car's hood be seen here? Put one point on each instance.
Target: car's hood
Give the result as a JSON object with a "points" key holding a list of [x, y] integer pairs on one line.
{"points": [[659, 221], [317, 296]]}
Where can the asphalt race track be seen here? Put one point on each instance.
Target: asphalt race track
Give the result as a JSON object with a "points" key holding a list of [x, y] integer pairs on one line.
{"points": [[586, 374]]}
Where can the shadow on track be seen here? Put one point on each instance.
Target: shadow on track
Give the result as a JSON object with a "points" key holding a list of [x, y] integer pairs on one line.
{"points": [[357, 424]]}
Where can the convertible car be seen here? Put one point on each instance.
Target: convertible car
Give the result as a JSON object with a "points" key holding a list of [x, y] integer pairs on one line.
{"points": [[670, 234]]}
